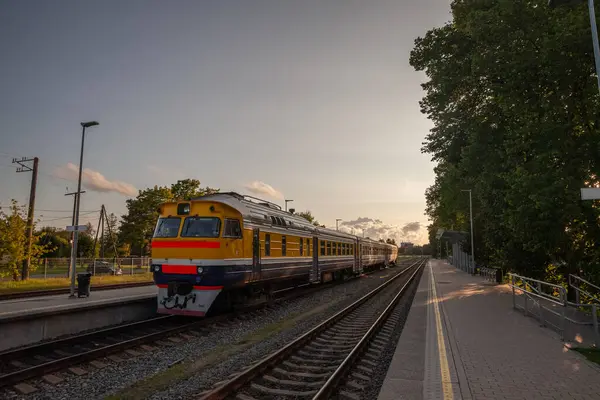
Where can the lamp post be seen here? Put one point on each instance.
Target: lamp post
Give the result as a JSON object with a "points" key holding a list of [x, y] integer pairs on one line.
{"points": [[558, 3], [287, 201], [336, 224], [472, 239], [77, 203]]}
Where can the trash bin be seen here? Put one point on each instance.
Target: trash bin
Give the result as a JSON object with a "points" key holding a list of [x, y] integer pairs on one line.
{"points": [[83, 284]]}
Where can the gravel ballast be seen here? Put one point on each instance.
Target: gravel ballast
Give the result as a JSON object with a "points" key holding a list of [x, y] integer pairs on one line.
{"points": [[246, 335]]}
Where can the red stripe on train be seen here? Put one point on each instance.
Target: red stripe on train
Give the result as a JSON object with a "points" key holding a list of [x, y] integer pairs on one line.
{"points": [[185, 245], [165, 286], [178, 269]]}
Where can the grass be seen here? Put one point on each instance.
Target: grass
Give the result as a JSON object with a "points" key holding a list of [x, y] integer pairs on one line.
{"points": [[58, 283], [591, 354], [162, 380]]}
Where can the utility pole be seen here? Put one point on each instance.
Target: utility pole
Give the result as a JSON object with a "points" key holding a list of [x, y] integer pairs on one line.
{"points": [[472, 239], [26, 168]]}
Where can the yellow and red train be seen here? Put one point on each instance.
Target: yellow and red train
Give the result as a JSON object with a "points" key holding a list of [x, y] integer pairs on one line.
{"points": [[224, 249]]}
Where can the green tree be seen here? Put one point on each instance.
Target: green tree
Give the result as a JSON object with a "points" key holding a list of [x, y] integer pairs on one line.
{"points": [[13, 242], [307, 215], [512, 94], [137, 226]]}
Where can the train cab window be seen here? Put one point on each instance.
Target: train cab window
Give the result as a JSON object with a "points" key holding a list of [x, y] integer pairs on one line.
{"points": [[322, 247], [301, 246], [232, 228], [167, 227], [267, 245], [283, 246], [207, 227], [328, 248]]}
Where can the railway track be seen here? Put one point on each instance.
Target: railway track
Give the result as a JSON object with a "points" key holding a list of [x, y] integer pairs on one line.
{"points": [[33, 361], [333, 359], [50, 292]]}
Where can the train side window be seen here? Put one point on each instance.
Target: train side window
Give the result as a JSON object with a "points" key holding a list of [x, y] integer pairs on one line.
{"points": [[301, 246], [232, 228], [308, 246], [283, 246], [322, 247], [267, 245], [328, 248]]}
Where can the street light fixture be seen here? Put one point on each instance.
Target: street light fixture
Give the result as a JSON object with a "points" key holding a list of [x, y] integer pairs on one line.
{"points": [[336, 224], [472, 239], [287, 201], [84, 125], [559, 3]]}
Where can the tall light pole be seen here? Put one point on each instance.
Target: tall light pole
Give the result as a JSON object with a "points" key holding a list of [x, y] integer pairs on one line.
{"points": [[287, 201], [336, 224], [558, 3], [77, 203], [472, 239]]}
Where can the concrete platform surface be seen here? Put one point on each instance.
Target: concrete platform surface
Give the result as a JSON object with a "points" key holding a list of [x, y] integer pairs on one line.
{"points": [[35, 306], [464, 340]]}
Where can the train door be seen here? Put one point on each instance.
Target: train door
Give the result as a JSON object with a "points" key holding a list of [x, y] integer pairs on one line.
{"points": [[315, 271], [359, 250], [255, 255], [356, 269]]}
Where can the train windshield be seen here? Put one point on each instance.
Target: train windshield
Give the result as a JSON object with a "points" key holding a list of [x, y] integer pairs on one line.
{"points": [[201, 227], [167, 227]]}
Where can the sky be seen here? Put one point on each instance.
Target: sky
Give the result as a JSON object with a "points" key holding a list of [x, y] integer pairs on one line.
{"points": [[310, 100]]}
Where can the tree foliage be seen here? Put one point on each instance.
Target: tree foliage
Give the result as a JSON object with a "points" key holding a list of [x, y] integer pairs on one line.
{"points": [[137, 226], [512, 93], [13, 242], [307, 215]]}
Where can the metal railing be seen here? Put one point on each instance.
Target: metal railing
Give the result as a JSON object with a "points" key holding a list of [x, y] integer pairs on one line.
{"points": [[583, 290], [548, 303]]}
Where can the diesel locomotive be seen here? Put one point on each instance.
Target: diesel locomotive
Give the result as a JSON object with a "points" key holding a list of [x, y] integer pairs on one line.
{"points": [[224, 249]]}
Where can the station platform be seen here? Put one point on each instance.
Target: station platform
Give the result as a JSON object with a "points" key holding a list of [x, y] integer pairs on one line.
{"points": [[31, 320], [36, 306], [464, 340]]}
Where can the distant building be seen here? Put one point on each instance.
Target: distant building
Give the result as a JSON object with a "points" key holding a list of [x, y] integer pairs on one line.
{"points": [[406, 245]]}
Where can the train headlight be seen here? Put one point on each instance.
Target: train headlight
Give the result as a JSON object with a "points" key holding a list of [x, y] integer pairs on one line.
{"points": [[200, 270], [156, 268]]}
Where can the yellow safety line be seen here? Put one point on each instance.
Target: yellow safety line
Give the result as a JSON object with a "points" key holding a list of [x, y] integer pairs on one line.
{"points": [[444, 370]]}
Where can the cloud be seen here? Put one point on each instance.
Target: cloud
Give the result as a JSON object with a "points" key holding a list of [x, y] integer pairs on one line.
{"points": [[411, 227], [94, 180], [258, 187], [377, 229]]}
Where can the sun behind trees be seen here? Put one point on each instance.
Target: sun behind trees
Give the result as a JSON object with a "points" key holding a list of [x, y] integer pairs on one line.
{"points": [[512, 93]]}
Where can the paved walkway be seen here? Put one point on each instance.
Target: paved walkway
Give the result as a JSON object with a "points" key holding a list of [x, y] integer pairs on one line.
{"points": [[464, 340], [34, 306]]}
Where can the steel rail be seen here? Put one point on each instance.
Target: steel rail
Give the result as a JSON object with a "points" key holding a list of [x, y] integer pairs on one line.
{"points": [[98, 335], [256, 369], [330, 385]]}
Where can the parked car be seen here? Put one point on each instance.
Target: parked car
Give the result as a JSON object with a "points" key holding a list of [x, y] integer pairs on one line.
{"points": [[103, 267]]}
